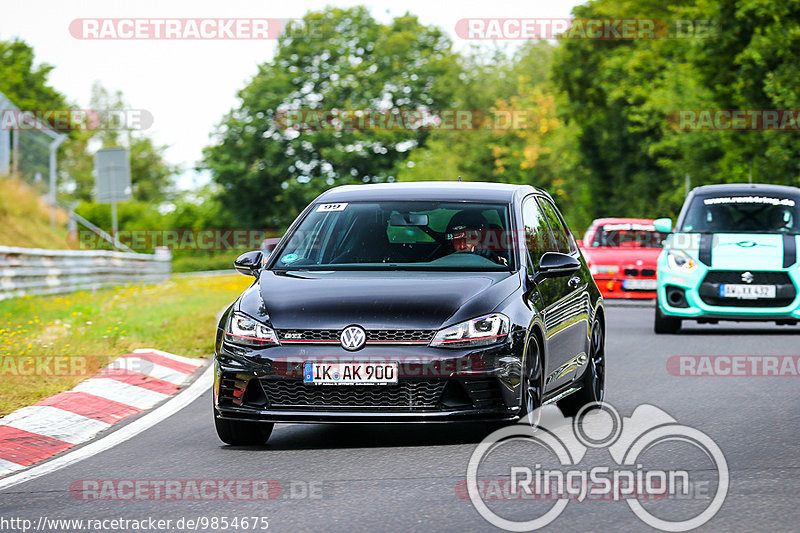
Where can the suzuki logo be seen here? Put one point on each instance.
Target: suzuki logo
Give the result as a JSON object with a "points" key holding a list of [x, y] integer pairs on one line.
{"points": [[353, 338], [748, 277]]}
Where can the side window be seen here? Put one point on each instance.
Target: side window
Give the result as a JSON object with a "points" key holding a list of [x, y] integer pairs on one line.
{"points": [[565, 242], [537, 233]]}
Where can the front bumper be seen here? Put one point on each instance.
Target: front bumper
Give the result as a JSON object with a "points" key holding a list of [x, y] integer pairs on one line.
{"points": [[434, 385], [698, 304]]}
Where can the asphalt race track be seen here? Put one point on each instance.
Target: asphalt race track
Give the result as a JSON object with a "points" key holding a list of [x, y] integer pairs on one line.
{"points": [[404, 478]]}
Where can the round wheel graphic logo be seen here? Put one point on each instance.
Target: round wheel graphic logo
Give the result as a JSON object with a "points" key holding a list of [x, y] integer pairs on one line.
{"points": [[600, 426]]}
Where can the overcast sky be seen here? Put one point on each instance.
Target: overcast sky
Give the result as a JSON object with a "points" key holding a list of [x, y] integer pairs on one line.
{"points": [[189, 85]]}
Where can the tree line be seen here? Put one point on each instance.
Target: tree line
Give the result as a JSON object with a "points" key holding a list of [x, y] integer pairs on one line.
{"points": [[591, 121]]}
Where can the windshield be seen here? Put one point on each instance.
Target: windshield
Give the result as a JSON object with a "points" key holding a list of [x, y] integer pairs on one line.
{"points": [[400, 235], [743, 214], [627, 235]]}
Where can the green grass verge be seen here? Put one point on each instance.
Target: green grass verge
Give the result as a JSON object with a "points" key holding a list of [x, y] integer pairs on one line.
{"points": [[83, 331], [194, 263]]}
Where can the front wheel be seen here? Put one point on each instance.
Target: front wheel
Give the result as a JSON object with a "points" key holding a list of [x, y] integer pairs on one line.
{"points": [[532, 384], [593, 387], [664, 323], [241, 432]]}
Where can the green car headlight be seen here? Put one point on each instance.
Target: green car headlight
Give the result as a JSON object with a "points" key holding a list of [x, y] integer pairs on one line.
{"points": [[681, 261]]}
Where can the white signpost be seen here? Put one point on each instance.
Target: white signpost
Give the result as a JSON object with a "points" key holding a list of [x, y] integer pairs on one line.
{"points": [[113, 183]]}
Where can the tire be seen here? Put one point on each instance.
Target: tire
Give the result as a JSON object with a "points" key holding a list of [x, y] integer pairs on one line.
{"points": [[242, 433], [593, 386], [664, 323], [532, 384]]}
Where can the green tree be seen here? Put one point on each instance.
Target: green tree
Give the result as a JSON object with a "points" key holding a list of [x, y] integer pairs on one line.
{"points": [[24, 82], [620, 93], [539, 150], [350, 61], [751, 63]]}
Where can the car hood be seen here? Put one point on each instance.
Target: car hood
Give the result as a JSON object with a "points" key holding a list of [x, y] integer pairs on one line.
{"points": [[622, 256], [375, 300], [734, 251]]}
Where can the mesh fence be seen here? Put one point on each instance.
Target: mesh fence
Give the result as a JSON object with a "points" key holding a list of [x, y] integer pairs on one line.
{"points": [[25, 145]]}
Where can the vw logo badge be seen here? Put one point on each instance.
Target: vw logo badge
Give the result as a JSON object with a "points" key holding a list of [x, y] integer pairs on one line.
{"points": [[748, 277], [353, 338]]}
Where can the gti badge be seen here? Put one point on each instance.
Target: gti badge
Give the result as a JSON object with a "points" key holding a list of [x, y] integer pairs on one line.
{"points": [[353, 338], [748, 277]]}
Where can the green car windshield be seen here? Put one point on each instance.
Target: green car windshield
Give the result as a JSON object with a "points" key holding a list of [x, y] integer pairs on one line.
{"points": [[743, 214], [400, 235]]}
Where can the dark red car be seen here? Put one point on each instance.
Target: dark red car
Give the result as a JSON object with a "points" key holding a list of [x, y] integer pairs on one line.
{"points": [[622, 255]]}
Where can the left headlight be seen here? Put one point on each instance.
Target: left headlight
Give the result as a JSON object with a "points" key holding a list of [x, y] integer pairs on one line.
{"points": [[680, 260], [246, 331], [479, 331]]}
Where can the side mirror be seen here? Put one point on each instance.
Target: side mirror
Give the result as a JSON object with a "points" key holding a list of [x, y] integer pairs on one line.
{"points": [[663, 225], [249, 263], [555, 265]]}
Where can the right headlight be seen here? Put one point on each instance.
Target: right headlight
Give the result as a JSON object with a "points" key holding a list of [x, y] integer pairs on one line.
{"points": [[479, 331], [246, 331], [680, 261]]}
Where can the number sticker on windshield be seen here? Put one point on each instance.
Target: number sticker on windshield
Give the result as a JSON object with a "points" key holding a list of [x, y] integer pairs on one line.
{"points": [[327, 208]]}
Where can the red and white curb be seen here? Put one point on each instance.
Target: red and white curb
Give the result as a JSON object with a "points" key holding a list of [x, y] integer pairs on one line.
{"points": [[129, 385]]}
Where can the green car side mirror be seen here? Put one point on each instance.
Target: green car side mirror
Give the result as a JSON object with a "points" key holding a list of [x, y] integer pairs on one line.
{"points": [[663, 225]]}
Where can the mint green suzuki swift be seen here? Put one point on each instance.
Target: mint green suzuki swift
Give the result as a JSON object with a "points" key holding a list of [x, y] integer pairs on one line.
{"points": [[731, 256]]}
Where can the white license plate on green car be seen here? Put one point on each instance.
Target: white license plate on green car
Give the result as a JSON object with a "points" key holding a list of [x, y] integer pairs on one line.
{"points": [[750, 292]]}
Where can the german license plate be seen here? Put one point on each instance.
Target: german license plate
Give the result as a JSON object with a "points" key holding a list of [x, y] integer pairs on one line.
{"points": [[350, 373], [639, 284], [748, 292]]}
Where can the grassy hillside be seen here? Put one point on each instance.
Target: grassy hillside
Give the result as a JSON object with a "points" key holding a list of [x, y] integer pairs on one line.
{"points": [[25, 218]]}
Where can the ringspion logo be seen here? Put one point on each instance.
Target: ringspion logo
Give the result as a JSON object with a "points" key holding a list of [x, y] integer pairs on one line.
{"points": [[565, 442]]}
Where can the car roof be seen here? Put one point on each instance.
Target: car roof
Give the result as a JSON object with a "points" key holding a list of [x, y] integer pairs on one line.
{"points": [[618, 220], [746, 188], [429, 190]]}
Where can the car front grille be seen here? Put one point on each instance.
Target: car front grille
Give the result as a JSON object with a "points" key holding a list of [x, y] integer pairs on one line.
{"points": [[645, 272], [374, 336], [785, 291], [406, 395]]}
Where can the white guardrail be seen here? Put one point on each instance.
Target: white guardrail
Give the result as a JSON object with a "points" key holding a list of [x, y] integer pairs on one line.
{"points": [[25, 271]]}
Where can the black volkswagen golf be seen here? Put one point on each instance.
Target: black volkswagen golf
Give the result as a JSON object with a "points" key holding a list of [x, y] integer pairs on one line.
{"points": [[411, 302]]}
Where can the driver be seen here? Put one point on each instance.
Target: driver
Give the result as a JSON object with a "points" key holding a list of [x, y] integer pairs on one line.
{"points": [[466, 232]]}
